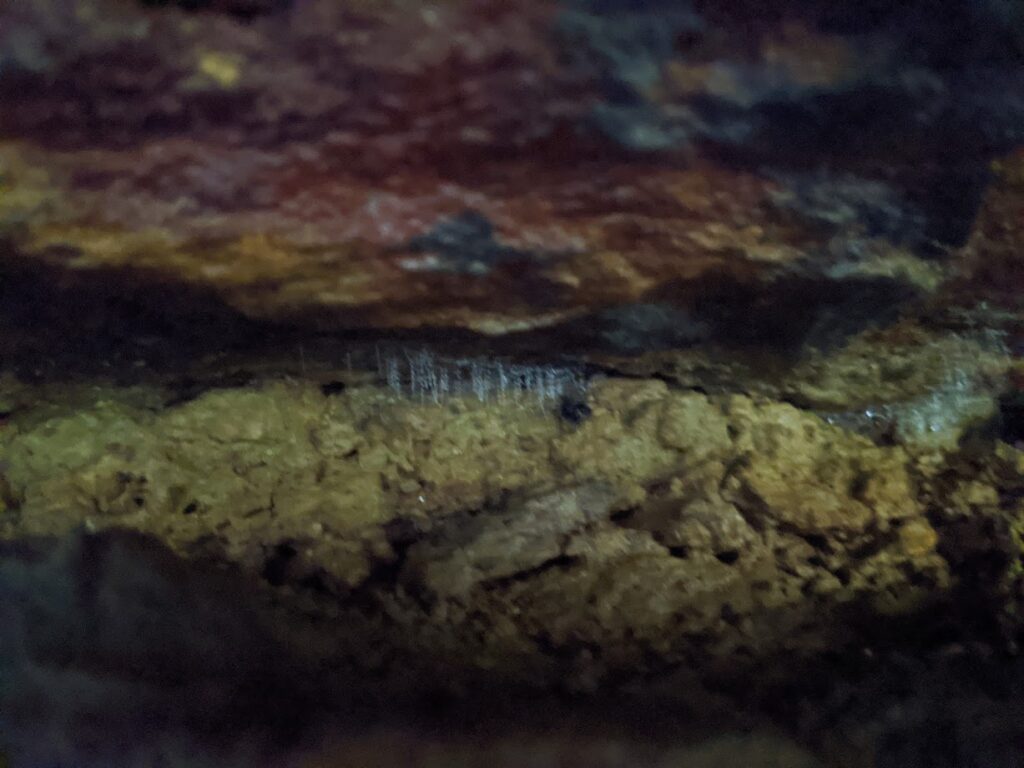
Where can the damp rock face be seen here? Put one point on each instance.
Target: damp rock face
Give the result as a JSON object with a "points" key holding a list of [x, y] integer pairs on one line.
{"points": [[685, 543], [661, 358], [502, 167], [94, 623], [662, 518]]}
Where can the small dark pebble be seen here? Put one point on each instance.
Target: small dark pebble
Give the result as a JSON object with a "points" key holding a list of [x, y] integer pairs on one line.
{"points": [[574, 411]]}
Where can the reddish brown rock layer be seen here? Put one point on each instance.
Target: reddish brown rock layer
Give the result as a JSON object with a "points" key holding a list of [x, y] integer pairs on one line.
{"points": [[489, 166]]}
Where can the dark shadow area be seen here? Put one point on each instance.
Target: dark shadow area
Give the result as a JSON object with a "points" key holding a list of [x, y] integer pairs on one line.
{"points": [[131, 326], [1011, 416], [127, 652], [64, 323], [240, 9]]}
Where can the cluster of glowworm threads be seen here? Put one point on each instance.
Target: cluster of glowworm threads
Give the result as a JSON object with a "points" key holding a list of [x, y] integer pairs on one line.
{"points": [[422, 375]]}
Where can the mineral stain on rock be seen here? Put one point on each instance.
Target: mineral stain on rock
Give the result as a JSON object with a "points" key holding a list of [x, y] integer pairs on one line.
{"points": [[464, 243], [585, 382]]}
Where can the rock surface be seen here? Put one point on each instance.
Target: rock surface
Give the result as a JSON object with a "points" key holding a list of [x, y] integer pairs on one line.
{"points": [[670, 535], [501, 167], [634, 383]]}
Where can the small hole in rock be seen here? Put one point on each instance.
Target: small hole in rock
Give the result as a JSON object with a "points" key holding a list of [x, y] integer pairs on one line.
{"points": [[622, 515], [191, 508], [729, 615], [728, 557], [817, 541], [333, 388], [275, 569], [573, 411], [1011, 417]]}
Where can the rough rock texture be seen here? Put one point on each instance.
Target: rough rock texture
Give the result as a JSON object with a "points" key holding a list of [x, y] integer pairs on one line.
{"points": [[673, 522], [633, 383], [505, 166]]}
